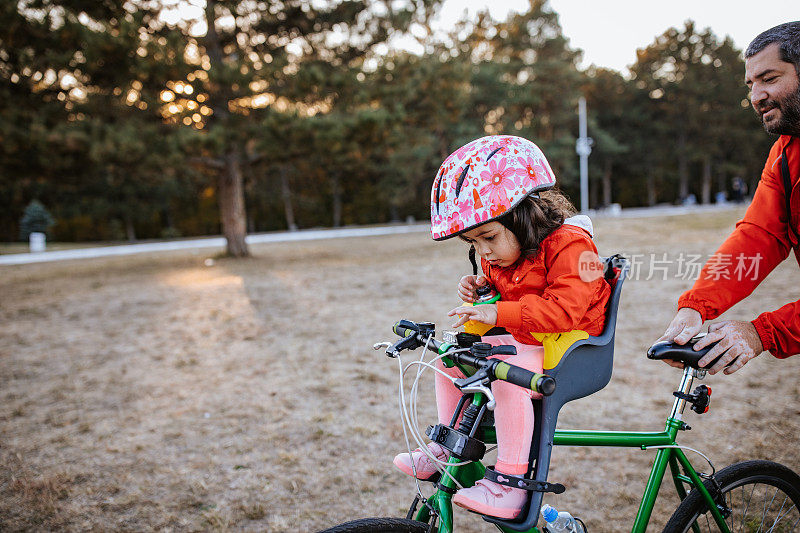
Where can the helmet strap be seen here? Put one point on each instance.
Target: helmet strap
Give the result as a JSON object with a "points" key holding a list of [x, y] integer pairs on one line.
{"points": [[472, 260]]}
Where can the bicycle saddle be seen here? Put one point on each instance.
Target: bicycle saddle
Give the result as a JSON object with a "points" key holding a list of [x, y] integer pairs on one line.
{"points": [[682, 353]]}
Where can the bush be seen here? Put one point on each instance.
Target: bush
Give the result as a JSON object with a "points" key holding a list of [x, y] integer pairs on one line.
{"points": [[36, 218], [171, 233]]}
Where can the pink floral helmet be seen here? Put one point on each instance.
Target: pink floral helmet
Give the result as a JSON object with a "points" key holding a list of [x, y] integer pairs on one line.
{"points": [[483, 180]]}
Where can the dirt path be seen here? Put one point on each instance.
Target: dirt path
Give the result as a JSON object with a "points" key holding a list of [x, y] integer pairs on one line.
{"points": [[156, 393]]}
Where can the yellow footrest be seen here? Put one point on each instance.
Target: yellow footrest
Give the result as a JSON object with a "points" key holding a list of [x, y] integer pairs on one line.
{"points": [[556, 345]]}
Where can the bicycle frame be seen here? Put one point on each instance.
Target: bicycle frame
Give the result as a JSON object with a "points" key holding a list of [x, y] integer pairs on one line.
{"points": [[668, 454]]}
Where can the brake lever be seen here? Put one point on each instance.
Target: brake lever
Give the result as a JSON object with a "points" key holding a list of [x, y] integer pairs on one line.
{"points": [[391, 350], [483, 389], [477, 382]]}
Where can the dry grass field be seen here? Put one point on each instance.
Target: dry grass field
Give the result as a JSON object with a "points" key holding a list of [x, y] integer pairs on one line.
{"points": [[155, 393]]}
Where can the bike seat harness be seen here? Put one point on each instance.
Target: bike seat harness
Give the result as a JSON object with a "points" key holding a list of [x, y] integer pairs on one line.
{"points": [[519, 482]]}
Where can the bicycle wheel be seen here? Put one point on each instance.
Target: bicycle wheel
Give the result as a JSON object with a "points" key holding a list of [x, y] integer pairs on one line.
{"points": [[380, 525], [759, 496]]}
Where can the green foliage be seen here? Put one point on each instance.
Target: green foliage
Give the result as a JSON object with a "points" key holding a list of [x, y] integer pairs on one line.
{"points": [[697, 98], [36, 218], [129, 127]]}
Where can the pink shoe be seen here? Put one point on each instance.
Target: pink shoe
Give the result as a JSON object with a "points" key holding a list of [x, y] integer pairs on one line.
{"points": [[490, 498], [424, 466]]}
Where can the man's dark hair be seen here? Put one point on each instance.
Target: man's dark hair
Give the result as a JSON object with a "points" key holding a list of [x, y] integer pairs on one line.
{"points": [[787, 36]]}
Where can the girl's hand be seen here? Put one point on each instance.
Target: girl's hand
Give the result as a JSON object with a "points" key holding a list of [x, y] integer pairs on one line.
{"points": [[467, 286], [486, 313]]}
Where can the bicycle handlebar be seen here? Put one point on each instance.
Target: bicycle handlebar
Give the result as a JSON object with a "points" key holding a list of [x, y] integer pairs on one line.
{"points": [[417, 335]]}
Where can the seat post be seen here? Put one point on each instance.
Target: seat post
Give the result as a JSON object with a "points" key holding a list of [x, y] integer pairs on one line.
{"points": [[679, 405]]}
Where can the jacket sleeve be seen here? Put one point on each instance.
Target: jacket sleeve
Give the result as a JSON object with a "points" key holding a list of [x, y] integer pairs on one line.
{"points": [[564, 301], [757, 245], [779, 330]]}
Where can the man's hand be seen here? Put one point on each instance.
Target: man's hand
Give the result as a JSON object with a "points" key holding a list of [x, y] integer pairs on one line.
{"points": [[686, 324], [738, 342], [486, 313], [467, 286]]}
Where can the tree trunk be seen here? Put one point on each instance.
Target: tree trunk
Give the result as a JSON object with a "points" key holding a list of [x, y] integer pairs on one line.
{"points": [[444, 144], [755, 179], [169, 221], [230, 189], [706, 191], [336, 191], [651, 189], [394, 213], [286, 194], [683, 168], [231, 205], [130, 231], [607, 183]]}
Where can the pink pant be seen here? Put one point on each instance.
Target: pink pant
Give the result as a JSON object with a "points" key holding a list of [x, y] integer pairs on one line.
{"points": [[513, 415]]}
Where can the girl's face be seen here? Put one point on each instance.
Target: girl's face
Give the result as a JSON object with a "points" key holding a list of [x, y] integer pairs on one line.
{"points": [[495, 243]]}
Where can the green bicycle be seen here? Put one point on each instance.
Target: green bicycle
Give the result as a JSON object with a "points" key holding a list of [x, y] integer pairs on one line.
{"points": [[750, 496]]}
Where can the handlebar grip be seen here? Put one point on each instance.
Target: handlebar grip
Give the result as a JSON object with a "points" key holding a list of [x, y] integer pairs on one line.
{"points": [[525, 378], [504, 349], [400, 329]]}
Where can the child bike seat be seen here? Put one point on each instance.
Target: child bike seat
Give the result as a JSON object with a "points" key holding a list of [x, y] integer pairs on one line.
{"points": [[584, 369]]}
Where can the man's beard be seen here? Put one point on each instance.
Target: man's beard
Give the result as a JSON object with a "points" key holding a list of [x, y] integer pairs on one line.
{"points": [[789, 121]]}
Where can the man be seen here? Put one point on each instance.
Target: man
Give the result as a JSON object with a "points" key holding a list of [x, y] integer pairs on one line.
{"points": [[769, 229]]}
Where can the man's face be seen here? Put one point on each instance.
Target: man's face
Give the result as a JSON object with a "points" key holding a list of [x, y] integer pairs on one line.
{"points": [[774, 91]]}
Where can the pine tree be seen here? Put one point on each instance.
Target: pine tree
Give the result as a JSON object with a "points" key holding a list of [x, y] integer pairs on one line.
{"points": [[283, 54], [527, 83], [694, 82], [36, 218]]}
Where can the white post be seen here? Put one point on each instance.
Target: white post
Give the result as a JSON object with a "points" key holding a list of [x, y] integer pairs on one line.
{"points": [[583, 146], [36, 241]]}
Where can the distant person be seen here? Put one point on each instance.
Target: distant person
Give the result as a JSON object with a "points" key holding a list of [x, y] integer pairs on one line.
{"points": [[497, 194], [739, 190], [769, 229]]}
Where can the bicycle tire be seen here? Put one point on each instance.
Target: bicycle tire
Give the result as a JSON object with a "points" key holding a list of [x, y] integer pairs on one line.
{"points": [[757, 492], [380, 525]]}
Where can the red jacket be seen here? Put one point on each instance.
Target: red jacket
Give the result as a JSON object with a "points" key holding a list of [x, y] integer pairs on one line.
{"points": [[545, 293], [760, 242]]}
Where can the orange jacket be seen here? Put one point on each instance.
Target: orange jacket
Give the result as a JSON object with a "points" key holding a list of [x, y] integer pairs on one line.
{"points": [[761, 241], [545, 293]]}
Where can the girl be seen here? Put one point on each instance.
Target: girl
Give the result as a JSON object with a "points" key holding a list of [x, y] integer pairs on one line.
{"points": [[497, 194]]}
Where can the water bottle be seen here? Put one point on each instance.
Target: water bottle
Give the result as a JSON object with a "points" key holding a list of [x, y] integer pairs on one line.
{"points": [[486, 295], [562, 522]]}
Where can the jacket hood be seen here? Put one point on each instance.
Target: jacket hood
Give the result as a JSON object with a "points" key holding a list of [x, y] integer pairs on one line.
{"points": [[583, 222]]}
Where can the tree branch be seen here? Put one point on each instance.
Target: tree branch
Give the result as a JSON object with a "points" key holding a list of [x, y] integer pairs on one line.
{"points": [[211, 162]]}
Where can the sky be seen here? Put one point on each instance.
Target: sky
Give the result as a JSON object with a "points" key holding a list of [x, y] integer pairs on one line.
{"points": [[610, 31]]}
